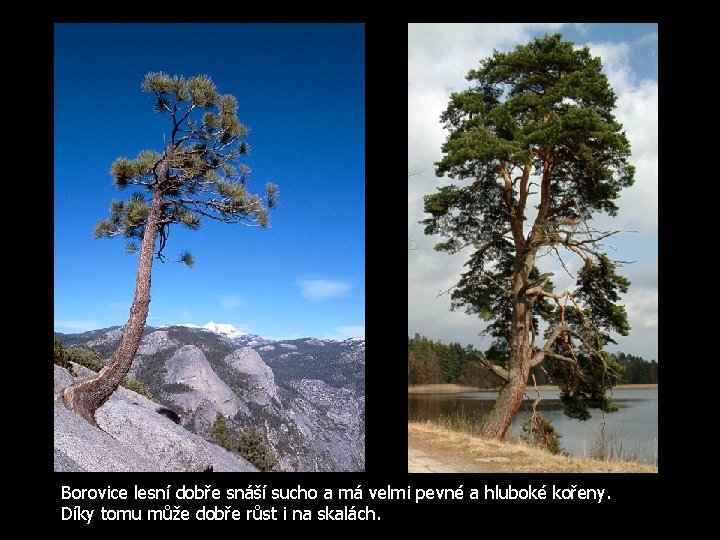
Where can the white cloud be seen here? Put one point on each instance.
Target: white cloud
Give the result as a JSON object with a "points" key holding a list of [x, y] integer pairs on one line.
{"points": [[647, 39], [439, 57], [230, 302], [78, 326], [641, 304], [582, 28], [616, 62], [323, 289]]}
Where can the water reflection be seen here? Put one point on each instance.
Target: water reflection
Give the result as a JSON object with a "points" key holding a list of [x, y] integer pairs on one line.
{"points": [[634, 425]]}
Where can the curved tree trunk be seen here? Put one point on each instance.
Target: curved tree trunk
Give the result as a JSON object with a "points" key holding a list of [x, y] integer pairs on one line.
{"points": [[87, 396], [508, 402], [498, 421]]}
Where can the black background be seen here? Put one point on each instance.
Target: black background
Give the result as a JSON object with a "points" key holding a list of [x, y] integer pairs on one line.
{"points": [[685, 451]]}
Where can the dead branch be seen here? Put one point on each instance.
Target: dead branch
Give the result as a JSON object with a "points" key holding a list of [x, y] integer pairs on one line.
{"points": [[562, 262], [540, 355], [497, 370], [446, 291]]}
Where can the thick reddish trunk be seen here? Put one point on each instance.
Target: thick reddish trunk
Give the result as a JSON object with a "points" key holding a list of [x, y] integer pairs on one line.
{"points": [[498, 421], [87, 396]]}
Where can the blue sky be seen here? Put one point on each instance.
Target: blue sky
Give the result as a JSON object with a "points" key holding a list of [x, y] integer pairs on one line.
{"points": [[439, 57], [300, 89]]}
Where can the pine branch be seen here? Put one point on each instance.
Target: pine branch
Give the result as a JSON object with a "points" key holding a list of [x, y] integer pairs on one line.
{"points": [[501, 372]]}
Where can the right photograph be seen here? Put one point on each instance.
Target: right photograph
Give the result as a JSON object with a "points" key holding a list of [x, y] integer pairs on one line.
{"points": [[532, 247]]}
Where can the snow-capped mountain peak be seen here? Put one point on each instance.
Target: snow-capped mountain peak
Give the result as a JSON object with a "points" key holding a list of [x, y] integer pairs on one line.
{"points": [[223, 329]]}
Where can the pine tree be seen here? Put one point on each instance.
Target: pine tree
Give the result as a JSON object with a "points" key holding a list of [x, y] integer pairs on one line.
{"points": [[537, 126], [196, 176], [61, 357], [252, 447], [220, 432]]}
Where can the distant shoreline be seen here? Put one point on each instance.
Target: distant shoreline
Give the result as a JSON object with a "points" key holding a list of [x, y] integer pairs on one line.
{"points": [[454, 388]]}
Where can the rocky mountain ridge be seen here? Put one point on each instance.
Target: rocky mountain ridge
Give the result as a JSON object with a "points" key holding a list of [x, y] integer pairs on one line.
{"points": [[131, 437], [306, 396]]}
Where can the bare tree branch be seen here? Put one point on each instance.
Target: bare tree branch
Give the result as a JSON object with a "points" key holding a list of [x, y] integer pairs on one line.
{"points": [[494, 368], [549, 354], [562, 262], [540, 355], [446, 291]]}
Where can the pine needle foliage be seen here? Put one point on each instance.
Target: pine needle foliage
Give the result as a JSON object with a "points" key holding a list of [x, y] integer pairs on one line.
{"points": [[535, 152], [198, 175]]}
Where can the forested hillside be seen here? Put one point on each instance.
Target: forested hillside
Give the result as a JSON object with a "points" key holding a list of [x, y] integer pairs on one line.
{"points": [[637, 370], [433, 362]]}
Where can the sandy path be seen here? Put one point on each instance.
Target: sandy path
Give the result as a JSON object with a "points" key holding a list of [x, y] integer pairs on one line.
{"points": [[426, 457]]}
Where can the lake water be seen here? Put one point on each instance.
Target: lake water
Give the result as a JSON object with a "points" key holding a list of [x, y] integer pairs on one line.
{"points": [[635, 423]]}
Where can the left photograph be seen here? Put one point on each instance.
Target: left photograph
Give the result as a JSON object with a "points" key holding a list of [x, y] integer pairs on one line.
{"points": [[209, 210]]}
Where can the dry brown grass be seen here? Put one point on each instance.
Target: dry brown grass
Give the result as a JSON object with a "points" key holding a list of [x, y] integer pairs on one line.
{"points": [[450, 388], [456, 446]]}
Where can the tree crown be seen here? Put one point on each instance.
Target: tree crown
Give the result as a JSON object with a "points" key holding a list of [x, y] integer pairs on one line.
{"points": [[198, 174], [537, 126], [543, 101]]}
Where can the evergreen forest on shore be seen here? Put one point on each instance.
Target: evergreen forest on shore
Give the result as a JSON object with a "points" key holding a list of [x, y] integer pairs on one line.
{"points": [[433, 362]]}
